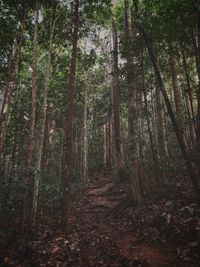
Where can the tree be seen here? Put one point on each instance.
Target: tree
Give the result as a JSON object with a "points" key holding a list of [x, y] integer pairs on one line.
{"points": [[177, 93], [133, 118], [70, 114], [197, 50], [116, 97], [43, 122], [32, 121], [154, 149], [11, 83]]}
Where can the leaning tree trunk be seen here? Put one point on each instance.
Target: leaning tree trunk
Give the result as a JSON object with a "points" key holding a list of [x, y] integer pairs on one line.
{"points": [[133, 116], [70, 115], [116, 97], [151, 141], [32, 122], [161, 129], [43, 123], [168, 105]]}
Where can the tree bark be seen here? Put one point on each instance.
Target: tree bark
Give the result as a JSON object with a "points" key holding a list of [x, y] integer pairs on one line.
{"points": [[85, 143], [70, 115], [152, 145], [109, 144], [116, 96], [32, 122], [104, 144], [133, 118], [198, 92], [43, 122], [163, 148], [11, 83], [189, 101], [177, 92]]}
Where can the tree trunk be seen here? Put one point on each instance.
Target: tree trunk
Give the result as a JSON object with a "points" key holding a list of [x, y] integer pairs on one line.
{"points": [[198, 91], [85, 145], [177, 93], [16, 130], [82, 144], [11, 74], [104, 144], [11, 83], [133, 118], [70, 115], [45, 144], [62, 154], [115, 169], [152, 145], [168, 105], [116, 97], [163, 148], [80, 147], [32, 122], [43, 122], [185, 81], [109, 144]]}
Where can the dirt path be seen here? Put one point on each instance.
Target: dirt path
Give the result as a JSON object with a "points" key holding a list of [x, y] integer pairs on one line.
{"points": [[96, 241], [103, 244]]}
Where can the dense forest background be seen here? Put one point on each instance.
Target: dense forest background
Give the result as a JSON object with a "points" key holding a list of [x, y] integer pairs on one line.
{"points": [[94, 92]]}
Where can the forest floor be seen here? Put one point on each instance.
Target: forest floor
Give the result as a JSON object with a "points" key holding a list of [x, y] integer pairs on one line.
{"points": [[162, 232]]}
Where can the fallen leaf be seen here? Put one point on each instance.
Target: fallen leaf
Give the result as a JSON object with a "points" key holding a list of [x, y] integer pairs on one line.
{"points": [[55, 250]]}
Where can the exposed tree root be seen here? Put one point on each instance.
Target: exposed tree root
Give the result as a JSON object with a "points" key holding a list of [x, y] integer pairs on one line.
{"points": [[96, 207], [122, 205], [109, 195], [100, 184]]}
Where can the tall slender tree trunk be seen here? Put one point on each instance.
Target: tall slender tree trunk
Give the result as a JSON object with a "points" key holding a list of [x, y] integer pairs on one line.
{"points": [[116, 96], [80, 147], [11, 73], [70, 115], [32, 122], [189, 99], [152, 145], [16, 130], [115, 169], [85, 143], [109, 143], [197, 48], [43, 122], [12, 81], [163, 148], [105, 143], [133, 118], [177, 93], [20, 144], [62, 154], [168, 105], [45, 144]]}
